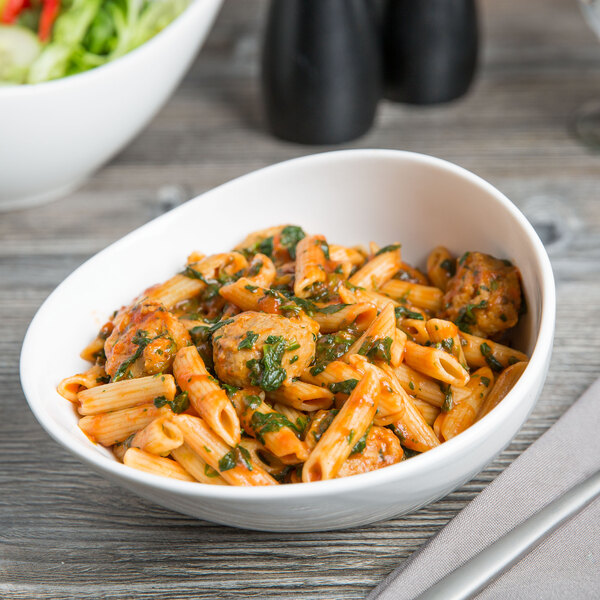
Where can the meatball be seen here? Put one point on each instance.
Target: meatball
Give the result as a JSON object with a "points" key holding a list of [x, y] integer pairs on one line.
{"points": [[382, 449], [144, 341], [484, 297], [263, 349]]}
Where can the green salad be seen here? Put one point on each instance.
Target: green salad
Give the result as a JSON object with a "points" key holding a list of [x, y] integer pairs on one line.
{"points": [[42, 40]]}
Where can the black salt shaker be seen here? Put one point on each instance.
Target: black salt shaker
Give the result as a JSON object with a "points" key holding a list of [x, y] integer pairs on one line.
{"points": [[430, 49], [320, 70]]}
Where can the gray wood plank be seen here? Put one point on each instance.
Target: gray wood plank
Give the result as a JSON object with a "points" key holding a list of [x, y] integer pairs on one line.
{"points": [[67, 533]]}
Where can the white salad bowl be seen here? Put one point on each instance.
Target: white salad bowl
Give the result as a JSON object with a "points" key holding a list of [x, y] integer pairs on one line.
{"points": [[352, 197], [53, 135]]}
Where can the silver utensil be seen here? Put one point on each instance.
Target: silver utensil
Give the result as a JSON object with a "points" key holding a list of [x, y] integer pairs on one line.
{"points": [[479, 571]]}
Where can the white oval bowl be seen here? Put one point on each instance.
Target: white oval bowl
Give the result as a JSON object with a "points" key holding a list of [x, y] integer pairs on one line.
{"points": [[351, 196], [55, 134]]}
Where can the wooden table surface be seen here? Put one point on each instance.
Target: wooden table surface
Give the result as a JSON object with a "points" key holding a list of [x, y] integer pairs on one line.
{"points": [[67, 533]]}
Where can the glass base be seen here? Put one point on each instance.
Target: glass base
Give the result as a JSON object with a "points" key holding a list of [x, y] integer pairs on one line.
{"points": [[586, 124]]}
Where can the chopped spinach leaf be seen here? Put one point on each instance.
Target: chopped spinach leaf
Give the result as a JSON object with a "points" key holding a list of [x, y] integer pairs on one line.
{"points": [[324, 247], [255, 269], [361, 444], [266, 246], [343, 387], [230, 389], [252, 401], [449, 266], [466, 318], [448, 401], [403, 312], [268, 372], [447, 344], [236, 456], [390, 248], [490, 359], [378, 348], [178, 404], [209, 471], [290, 236], [248, 341], [329, 348], [268, 422]]}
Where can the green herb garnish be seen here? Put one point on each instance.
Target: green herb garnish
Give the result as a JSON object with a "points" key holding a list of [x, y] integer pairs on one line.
{"points": [[466, 318], [361, 444], [449, 266], [402, 312], [377, 348], [268, 372], [490, 359], [290, 236], [236, 456], [343, 387], [389, 248], [268, 422], [210, 472], [178, 404], [248, 341], [448, 402]]}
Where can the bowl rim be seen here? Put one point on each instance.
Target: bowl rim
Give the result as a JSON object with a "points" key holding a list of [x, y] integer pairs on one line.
{"points": [[402, 471], [121, 62]]}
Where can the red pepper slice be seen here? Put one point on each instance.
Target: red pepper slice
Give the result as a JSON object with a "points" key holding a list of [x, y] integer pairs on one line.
{"points": [[48, 15], [12, 9]]}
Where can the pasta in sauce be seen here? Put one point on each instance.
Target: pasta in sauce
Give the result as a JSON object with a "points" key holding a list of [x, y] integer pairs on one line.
{"points": [[290, 360]]}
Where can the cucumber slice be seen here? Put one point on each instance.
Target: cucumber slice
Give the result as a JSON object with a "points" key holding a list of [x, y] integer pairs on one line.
{"points": [[19, 47]]}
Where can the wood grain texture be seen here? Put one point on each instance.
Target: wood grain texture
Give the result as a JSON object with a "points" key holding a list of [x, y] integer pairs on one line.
{"points": [[67, 533]]}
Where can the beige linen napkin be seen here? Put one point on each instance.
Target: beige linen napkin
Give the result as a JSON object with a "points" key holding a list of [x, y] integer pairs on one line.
{"points": [[566, 565]]}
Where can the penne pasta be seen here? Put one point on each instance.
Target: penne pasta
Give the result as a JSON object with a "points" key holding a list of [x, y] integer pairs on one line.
{"points": [[342, 254], [158, 437], [291, 360], [445, 333], [361, 314], [302, 396], [335, 372], [261, 271], [481, 352], [440, 267], [193, 464], [464, 413], [423, 387], [505, 382], [71, 386], [396, 408], [205, 395], [114, 427], [355, 295], [126, 393], [380, 340], [347, 428], [436, 363], [311, 261], [421, 296], [93, 350], [415, 329], [233, 464], [380, 269], [429, 412], [156, 465], [272, 429]]}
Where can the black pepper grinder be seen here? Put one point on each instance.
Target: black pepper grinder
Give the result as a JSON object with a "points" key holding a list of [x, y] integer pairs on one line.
{"points": [[430, 49], [320, 70]]}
